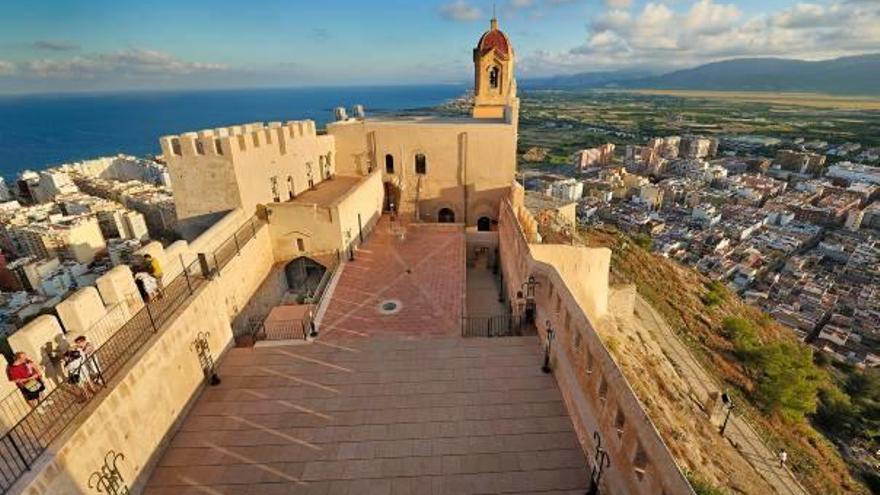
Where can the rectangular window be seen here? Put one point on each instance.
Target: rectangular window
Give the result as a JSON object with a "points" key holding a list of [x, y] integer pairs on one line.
{"points": [[301, 245], [421, 164], [389, 164]]}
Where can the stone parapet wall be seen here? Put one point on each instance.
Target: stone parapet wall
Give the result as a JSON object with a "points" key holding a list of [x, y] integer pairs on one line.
{"points": [[572, 296], [138, 412]]}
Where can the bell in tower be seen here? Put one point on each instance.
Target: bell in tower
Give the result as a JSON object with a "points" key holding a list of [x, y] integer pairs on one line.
{"points": [[494, 83]]}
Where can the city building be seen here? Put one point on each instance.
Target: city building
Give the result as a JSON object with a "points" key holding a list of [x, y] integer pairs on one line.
{"points": [[854, 172], [76, 238], [601, 156], [567, 189]]}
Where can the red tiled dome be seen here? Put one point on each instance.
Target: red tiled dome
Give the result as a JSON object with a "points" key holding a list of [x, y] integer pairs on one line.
{"points": [[494, 39]]}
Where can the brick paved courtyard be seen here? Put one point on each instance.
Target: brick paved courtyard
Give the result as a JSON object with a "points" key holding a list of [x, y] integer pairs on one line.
{"points": [[382, 404], [424, 272]]}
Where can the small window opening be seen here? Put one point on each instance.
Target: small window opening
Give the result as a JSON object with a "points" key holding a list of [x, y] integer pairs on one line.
{"points": [[421, 164], [389, 164]]}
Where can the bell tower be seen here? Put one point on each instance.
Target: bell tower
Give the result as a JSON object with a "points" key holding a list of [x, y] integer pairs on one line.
{"points": [[494, 83]]}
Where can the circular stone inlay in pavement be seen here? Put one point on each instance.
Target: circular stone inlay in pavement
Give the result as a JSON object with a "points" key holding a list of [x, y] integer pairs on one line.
{"points": [[389, 307]]}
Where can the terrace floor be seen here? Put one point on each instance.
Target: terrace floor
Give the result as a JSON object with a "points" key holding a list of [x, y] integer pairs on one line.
{"points": [[385, 404], [421, 270]]}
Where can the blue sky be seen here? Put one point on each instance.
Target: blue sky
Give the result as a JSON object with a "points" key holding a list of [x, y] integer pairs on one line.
{"points": [[76, 45]]}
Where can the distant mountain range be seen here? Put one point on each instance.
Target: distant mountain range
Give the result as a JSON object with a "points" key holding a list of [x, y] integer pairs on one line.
{"points": [[858, 75]]}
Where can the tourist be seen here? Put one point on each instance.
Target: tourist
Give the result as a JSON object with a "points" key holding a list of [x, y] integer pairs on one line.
{"points": [[783, 458], [92, 366], [147, 285], [77, 374], [153, 268], [28, 378]]}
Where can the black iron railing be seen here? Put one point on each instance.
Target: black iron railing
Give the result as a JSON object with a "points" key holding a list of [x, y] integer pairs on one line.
{"points": [[293, 329], [26, 440], [496, 326]]}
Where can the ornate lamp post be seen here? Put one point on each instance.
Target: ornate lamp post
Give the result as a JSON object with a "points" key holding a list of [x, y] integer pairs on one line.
{"points": [[313, 329], [529, 288], [108, 479], [601, 462], [546, 368], [203, 350], [350, 245], [728, 404]]}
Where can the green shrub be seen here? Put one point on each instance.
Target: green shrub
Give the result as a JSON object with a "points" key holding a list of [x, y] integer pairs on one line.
{"points": [[644, 241], [704, 487], [788, 382], [743, 335]]}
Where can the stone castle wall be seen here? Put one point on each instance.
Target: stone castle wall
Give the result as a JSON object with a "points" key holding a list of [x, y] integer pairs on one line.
{"points": [[573, 296], [217, 170], [138, 412]]}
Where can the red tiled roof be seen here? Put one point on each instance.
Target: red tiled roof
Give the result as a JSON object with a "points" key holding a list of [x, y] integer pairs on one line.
{"points": [[494, 39]]}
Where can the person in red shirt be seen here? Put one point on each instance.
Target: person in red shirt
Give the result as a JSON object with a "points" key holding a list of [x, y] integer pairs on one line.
{"points": [[27, 377]]}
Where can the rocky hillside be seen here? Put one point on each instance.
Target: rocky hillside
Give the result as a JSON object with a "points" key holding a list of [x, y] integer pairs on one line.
{"points": [[698, 310]]}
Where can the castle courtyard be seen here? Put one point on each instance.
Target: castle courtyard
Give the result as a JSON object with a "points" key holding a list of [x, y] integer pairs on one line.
{"points": [[386, 401]]}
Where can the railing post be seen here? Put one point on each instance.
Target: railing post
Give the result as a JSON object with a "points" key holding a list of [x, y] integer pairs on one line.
{"points": [[18, 451], [186, 275], [253, 228], [216, 264], [237, 247], [150, 314]]}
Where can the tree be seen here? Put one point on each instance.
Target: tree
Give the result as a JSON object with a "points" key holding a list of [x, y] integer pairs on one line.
{"points": [[743, 335], [836, 412], [788, 381]]}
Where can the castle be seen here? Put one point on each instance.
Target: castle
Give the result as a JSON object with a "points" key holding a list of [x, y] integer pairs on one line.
{"points": [[389, 395]]}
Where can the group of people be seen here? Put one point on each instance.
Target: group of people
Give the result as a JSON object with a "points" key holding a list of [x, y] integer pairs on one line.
{"points": [[81, 370], [148, 279]]}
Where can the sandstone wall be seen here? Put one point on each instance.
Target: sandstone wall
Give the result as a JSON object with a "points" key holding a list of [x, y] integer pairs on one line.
{"points": [[572, 296], [138, 412], [469, 164]]}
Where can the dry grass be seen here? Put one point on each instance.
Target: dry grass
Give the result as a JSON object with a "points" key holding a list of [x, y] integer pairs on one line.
{"points": [[675, 292], [816, 100]]}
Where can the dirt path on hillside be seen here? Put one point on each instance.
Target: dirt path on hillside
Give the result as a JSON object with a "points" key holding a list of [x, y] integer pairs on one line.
{"points": [[740, 444], [673, 389]]}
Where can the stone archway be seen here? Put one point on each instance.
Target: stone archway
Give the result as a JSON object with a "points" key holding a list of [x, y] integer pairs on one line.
{"points": [[303, 275], [484, 224], [446, 215]]}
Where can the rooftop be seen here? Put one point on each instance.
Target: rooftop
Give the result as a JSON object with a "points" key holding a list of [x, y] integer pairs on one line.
{"points": [[385, 401], [328, 192]]}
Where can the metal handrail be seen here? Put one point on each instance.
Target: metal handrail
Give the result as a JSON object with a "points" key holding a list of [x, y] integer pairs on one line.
{"points": [[504, 325], [26, 440]]}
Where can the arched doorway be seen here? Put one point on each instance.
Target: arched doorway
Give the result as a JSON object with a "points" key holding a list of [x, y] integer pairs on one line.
{"points": [[391, 203], [446, 215], [303, 276], [484, 224]]}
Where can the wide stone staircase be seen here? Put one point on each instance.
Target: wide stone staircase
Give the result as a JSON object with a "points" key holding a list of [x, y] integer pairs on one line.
{"points": [[384, 414]]}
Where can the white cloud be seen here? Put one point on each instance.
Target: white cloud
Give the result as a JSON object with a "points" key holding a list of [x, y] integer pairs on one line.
{"points": [[618, 4], [522, 4], [126, 63], [461, 10], [669, 34]]}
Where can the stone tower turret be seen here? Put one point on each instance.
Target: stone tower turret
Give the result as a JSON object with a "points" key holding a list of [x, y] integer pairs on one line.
{"points": [[494, 81]]}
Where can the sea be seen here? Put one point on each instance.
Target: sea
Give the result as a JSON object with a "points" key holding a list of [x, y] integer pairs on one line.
{"points": [[39, 131]]}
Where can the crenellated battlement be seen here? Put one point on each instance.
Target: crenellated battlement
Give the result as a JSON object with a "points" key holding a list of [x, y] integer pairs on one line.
{"points": [[228, 141]]}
